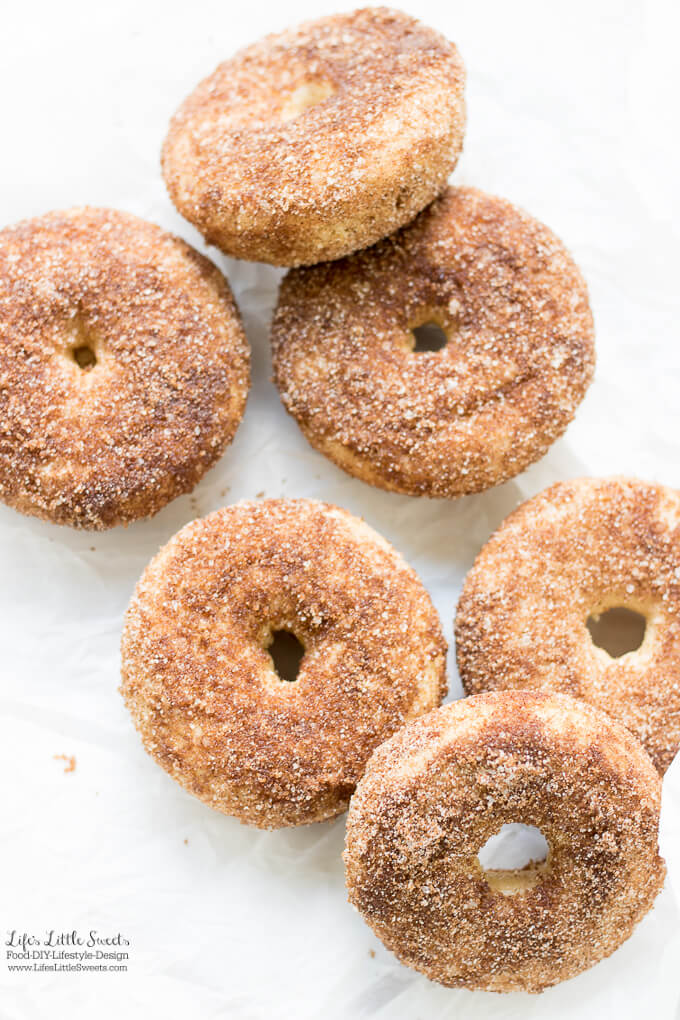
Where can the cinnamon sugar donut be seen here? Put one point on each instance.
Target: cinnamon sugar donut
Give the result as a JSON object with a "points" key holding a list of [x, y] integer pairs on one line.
{"points": [[518, 360], [434, 794], [316, 142], [202, 687], [573, 552], [124, 369]]}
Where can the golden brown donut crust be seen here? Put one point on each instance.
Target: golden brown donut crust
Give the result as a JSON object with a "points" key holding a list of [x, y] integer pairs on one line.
{"points": [[519, 357], [201, 685], [105, 445], [433, 795], [318, 141], [576, 549]]}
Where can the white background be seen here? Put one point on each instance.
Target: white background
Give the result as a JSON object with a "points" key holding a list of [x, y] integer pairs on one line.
{"points": [[572, 113]]}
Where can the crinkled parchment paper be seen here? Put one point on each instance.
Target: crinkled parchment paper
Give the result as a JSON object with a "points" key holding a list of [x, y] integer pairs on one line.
{"points": [[570, 115]]}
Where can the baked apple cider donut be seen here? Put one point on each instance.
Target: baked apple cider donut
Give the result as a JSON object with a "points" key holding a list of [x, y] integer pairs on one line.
{"points": [[579, 591], [202, 686], [316, 142], [437, 791], [124, 369], [518, 355]]}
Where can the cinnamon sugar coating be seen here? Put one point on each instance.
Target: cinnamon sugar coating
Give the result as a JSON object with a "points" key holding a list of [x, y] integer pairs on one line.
{"points": [[201, 685], [320, 140], [578, 549], [518, 360], [434, 794], [124, 369]]}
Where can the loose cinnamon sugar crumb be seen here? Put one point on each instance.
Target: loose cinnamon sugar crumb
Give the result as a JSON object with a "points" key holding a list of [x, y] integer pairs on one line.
{"points": [[69, 759]]}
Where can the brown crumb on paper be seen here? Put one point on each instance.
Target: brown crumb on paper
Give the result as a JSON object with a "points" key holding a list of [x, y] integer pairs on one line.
{"points": [[70, 760]]}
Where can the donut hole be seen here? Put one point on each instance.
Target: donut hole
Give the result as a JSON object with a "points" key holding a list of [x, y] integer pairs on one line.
{"points": [[401, 199], [84, 357], [617, 631], [429, 337], [304, 97], [79, 342], [514, 858], [286, 654]]}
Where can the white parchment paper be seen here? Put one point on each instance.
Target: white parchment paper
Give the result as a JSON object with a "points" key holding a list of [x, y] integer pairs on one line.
{"points": [[571, 110]]}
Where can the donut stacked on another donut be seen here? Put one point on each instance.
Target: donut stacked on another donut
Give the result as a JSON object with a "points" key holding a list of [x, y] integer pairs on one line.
{"points": [[572, 552], [518, 360], [318, 141], [124, 369], [434, 793], [201, 685]]}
